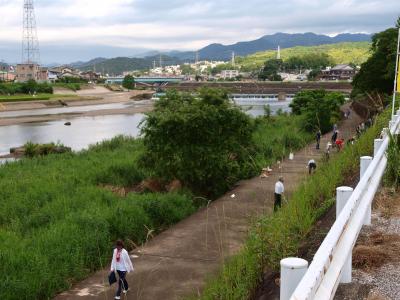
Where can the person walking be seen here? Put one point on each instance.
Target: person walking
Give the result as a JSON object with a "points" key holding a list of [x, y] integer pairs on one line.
{"points": [[328, 150], [318, 138], [122, 264], [334, 137], [279, 190], [312, 165]]}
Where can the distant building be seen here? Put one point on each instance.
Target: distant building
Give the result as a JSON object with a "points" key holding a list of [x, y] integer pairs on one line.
{"points": [[29, 71], [339, 72], [90, 76], [229, 74], [7, 76], [64, 71], [43, 74]]}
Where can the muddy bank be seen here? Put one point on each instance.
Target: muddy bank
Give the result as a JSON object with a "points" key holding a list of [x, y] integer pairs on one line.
{"points": [[93, 96], [45, 118]]}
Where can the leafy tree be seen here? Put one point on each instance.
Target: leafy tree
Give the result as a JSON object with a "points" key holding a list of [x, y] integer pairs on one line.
{"points": [[201, 140], [128, 82], [309, 61], [187, 70], [377, 73], [271, 69], [320, 109]]}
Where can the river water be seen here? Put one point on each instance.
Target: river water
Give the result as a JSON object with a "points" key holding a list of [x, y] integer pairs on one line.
{"points": [[85, 131]]}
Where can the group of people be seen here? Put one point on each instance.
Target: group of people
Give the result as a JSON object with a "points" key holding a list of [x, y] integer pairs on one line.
{"points": [[363, 126]]}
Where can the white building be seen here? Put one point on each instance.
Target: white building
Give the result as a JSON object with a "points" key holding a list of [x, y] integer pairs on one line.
{"points": [[229, 74]]}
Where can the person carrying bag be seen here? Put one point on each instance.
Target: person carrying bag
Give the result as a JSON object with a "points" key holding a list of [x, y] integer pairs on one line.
{"points": [[122, 264]]}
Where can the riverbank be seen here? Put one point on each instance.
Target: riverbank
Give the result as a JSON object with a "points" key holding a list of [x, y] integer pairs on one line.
{"points": [[87, 97]]}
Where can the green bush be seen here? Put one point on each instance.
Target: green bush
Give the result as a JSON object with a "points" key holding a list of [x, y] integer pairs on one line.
{"points": [[202, 141], [320, 109], [392, 176], [29, 87]]}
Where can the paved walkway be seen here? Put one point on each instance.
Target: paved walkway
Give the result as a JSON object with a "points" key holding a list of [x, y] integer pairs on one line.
{"points": [[177, 262]]}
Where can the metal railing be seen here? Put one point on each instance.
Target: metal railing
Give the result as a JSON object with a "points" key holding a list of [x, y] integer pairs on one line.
{"points": [[332, 262]]}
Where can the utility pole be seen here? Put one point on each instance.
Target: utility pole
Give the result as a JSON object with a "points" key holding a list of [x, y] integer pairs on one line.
{"points": [[30, 41], [233, 58], [278, 55]]}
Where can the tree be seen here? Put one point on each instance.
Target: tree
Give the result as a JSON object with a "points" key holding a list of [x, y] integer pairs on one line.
{"points": [[377, 73], [271, 69], [128, 82], [201, 140], [320, 109], [315, 61]]}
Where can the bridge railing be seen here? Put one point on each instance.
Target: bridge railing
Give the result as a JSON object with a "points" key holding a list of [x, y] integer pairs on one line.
{"points": [[333, 259]]}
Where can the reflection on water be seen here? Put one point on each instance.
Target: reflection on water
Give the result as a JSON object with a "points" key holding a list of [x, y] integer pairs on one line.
{"points": [[83, 131]]}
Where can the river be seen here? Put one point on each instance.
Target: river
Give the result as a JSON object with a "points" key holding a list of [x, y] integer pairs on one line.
{"points": [[85, 131]]}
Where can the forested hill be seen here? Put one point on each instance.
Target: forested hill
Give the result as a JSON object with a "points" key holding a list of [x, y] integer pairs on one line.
{"points": [[118, 65], [356, 53], [341, 53], [284, 40]]}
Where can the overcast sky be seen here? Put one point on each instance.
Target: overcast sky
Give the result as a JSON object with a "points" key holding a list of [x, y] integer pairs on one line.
{"points": [[71, 30]]}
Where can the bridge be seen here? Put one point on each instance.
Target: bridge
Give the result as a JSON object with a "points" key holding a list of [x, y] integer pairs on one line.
{"points": [[146, 80], [257, 87]]}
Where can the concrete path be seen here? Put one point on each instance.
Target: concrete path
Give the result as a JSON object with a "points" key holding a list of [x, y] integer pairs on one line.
{"points": [[177, 262]]}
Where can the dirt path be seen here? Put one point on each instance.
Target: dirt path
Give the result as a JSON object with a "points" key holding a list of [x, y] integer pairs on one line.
{"points": [[177, 262]]}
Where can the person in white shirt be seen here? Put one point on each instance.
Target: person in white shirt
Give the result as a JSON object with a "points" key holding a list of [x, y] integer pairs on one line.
{"points": [[122, 264], [312, 165], [279, 190]]}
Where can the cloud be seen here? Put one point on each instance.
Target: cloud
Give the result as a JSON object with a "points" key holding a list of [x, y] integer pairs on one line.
{"points": [[183, 24]]}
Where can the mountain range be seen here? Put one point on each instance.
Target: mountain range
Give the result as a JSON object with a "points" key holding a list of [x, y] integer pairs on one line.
{"points": [[219, 51]]}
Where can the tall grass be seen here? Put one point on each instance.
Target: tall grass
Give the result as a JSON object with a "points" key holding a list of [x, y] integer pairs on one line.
{"points": [[57, 225], [277, 236]]}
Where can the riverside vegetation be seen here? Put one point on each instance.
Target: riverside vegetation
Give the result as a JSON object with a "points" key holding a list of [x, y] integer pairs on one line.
{"points": [[55, 210]]}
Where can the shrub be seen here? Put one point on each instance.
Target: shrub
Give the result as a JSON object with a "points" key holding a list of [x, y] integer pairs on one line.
{"points": [[392, 175], [320, 109], [202, 141]]}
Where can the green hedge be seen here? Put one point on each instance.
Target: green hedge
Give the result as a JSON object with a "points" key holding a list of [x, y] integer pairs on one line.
{"points": [[279, 235]]}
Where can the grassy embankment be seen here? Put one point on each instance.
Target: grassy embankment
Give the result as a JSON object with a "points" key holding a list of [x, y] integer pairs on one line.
{"points": [[279, 235], [57, 224]]}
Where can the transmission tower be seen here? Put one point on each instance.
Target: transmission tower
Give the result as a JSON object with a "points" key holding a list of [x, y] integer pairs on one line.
{"points": [[30, 42]]}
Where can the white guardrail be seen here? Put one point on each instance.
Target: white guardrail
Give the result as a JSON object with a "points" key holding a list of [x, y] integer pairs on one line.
{"points": [[332, 262]]}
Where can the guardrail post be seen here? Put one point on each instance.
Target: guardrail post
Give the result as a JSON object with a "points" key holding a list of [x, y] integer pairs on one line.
{"points": [[377, 145], [343, 194], [292, 271], [384, 132], [364, 164]]}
